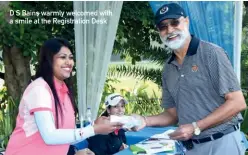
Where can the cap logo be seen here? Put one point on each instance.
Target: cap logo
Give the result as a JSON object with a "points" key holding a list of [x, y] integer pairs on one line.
{"points": [[194, 68], [164, 10], [111, 98]]}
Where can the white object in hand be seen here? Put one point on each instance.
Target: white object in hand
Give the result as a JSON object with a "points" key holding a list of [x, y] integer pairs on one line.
{"points": [[128, 121], [164, 134]]}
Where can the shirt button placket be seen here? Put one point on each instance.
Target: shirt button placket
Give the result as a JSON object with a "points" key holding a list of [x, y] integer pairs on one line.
{"points": [[180, 72]]}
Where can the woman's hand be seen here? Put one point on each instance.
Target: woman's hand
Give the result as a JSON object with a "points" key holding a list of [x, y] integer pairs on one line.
{"points": [[127, 129], [103, 125], [85, 152], [123, 146]]}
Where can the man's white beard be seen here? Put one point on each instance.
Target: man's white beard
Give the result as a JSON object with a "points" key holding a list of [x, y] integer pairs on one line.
{"points": [[180, 40]]}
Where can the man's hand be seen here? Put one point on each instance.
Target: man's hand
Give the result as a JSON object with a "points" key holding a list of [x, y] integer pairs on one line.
{"points": [[167, 117], [142, 121], [104, 126], [183, 132]]}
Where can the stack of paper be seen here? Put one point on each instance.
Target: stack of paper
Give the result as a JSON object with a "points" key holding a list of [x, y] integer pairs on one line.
{"points": [[157, 143]]}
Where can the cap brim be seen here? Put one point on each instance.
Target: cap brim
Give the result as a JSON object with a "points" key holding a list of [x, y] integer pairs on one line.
{"points": [[168, 17], [117, 101]]}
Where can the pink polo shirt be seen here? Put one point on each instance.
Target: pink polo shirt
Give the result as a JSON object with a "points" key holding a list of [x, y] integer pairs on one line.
{"points": [[26, 139]]}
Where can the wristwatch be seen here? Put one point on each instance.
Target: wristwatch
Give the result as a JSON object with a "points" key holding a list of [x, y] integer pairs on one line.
{"points": [[197, 130]]}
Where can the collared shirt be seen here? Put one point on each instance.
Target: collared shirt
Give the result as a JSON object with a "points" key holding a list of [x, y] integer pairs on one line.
{"points": [[198, 86], [26, 138], [107, 144]]}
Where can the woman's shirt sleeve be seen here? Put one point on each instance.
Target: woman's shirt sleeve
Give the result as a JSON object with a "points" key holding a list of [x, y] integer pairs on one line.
{"points": [[53, 136]]}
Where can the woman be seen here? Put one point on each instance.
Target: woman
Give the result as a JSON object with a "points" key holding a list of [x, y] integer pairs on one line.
{"points": [[45, 123], [115, 141]]}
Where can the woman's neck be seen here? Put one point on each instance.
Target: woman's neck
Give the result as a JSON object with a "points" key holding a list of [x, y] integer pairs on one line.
{"points": [[58, 81]]}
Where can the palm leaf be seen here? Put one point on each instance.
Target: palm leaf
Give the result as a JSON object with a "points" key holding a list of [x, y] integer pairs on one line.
{"points": [[144, 73]]}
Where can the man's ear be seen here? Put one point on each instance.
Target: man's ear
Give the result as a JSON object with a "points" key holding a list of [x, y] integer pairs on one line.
{"points": [[187, 21]]}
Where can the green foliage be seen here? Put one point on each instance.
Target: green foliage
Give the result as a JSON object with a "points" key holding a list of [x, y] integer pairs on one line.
{"points": [[144, 73], [135, 32], [244, 68], [108, 88], [29, 37], [244, 59], [135, 39], [245, 17], [244, 125], [7, 116], [244, 80], [244, 53], [139, 101], [25, 36]]}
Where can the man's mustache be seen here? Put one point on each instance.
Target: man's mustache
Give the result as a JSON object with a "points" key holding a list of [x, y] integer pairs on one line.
{"points": [[172, 34]]}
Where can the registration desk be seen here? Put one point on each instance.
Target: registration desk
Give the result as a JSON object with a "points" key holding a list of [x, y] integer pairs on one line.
{"points": [[136, 137]]}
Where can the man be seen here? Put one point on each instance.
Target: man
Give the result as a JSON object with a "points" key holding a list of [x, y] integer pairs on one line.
{"points": [[200, 90]]}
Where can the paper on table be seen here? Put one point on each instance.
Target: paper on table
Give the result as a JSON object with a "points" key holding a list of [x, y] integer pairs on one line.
{"points": [[157, 147], [158, 143]]}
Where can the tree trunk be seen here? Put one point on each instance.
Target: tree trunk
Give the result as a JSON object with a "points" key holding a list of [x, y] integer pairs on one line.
{"points": [[17, 71]]}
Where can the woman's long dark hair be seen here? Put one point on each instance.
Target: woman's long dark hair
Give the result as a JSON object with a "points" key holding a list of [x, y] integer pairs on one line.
{"points": [[45, 70]]}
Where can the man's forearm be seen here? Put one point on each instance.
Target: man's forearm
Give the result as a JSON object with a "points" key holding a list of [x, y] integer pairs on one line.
{"points": [[222, 114], [163, 119]]}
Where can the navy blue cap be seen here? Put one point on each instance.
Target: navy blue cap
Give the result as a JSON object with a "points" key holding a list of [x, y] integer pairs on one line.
{"points": [[169, 11]]}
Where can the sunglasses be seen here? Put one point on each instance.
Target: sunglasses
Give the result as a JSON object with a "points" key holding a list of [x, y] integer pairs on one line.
{"points": [[172, 23]]}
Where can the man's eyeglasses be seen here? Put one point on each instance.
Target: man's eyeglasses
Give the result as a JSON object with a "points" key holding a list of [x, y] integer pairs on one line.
{"points": [[172, 23]]}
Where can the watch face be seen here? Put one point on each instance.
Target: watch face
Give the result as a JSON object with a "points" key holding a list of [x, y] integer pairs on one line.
{"points": [[197, 132]]}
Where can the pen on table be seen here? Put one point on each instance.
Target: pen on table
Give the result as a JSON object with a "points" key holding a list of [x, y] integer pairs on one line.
{"points": [[159, 147], [158, 139]]}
